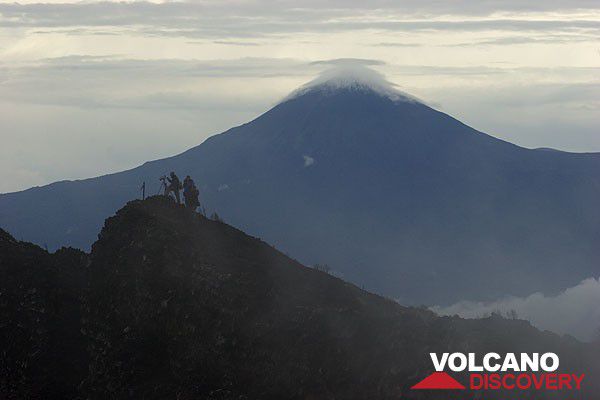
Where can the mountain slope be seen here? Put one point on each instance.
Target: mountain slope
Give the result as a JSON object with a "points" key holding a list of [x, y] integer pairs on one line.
{"points": [[178, 306], [392, 194], [42, 353]]}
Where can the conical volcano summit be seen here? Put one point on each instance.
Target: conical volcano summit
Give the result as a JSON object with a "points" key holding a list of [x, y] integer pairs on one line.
{"points": [[390, 193]]}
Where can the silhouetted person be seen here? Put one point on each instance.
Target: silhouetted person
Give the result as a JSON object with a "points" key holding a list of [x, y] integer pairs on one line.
{"points": [[190, 193], [174, 186]]}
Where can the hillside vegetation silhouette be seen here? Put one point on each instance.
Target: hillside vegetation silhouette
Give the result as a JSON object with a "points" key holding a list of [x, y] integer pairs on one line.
{"points": [[170, 304]]}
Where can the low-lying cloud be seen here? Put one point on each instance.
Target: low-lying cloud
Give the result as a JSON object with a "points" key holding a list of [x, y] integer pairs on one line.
{"points": [[575, 311]]}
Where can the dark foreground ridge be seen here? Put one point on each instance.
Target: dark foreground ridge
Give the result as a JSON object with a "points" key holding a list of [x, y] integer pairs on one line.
{"points": [[172, 305]]}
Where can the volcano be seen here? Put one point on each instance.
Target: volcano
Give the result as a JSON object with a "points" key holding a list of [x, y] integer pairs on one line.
{"points": [[390, 193]]}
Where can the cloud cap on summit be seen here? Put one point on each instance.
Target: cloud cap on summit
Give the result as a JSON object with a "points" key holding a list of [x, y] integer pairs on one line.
{"points": [[352, 74]]}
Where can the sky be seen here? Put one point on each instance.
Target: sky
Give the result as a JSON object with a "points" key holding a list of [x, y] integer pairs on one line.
{"points": [[88, 88]]}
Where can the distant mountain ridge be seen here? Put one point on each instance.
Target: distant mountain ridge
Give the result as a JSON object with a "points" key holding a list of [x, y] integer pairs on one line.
{"points": [[392, 194]]}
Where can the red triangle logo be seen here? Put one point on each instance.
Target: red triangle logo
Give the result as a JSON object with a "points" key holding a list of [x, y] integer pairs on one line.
{"points": [[439, 380]]}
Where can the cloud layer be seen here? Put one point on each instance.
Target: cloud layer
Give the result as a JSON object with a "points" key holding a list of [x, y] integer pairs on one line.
{"points": [[574, 311]]}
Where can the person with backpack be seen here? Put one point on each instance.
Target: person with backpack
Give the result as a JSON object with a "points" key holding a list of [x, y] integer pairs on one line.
{"points": [[190, 193]]}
